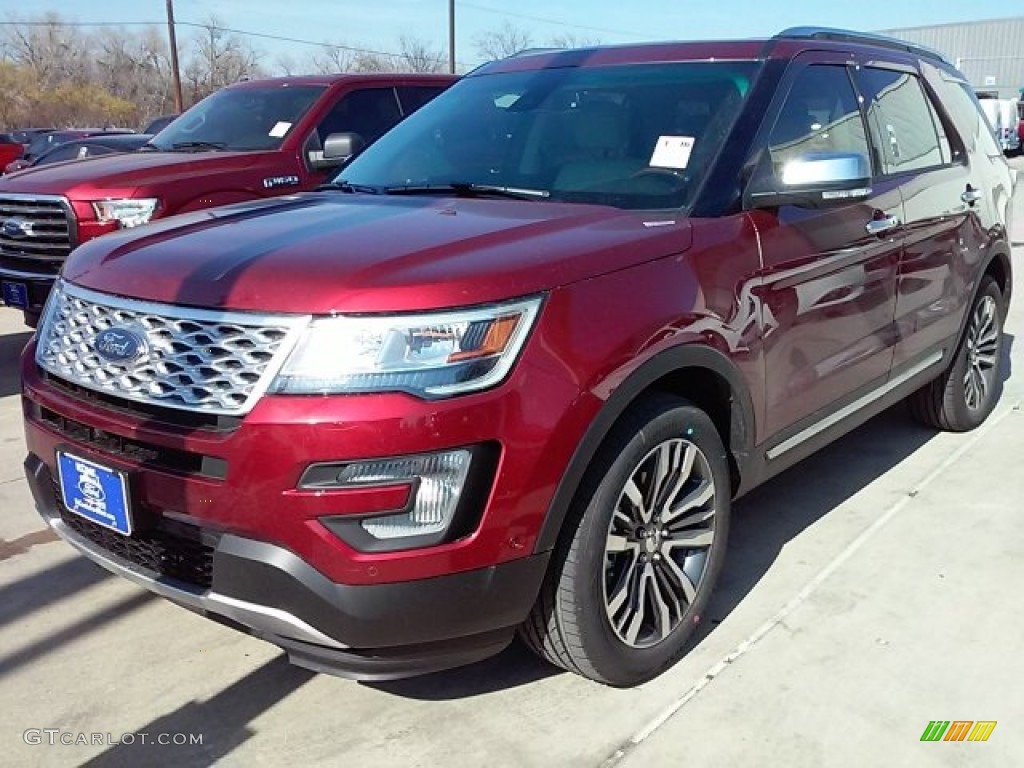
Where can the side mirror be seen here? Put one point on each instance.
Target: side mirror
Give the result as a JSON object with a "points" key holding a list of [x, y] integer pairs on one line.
{"points": [[338, 149], [816, 180]]}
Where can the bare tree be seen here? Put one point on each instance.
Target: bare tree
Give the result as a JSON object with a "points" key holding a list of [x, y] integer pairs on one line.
{"points": [[416, 55], [332, 59], [218, 58], [572, 40], [53, 52], [135, 68], [506, 40]]}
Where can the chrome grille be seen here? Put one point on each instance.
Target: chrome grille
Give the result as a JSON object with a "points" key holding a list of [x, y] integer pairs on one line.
{"points": [[36, 233], [196, 360]]}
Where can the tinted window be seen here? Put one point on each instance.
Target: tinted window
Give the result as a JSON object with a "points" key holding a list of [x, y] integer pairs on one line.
{"points": [[255, 118], [820, 115], [637, 136], [415, 96], [370, 113], [901, 120]]}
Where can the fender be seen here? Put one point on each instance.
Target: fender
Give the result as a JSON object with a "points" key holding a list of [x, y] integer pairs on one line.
{"points": [[741, 426]]}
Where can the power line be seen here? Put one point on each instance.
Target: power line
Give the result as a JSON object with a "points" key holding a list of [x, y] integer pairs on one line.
{"points": [[557, 23], [215, 27]]}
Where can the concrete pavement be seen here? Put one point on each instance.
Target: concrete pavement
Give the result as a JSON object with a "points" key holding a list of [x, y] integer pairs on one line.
{"points": [[868, 591]]}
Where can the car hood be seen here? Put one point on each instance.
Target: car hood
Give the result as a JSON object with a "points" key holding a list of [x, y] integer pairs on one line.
{"points": [[122, 174], [332, 252]]}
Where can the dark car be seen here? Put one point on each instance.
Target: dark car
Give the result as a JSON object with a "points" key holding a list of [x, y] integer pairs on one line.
{"points": [[95, 146], [27, 135], [159, 123], [508, 371], [44, 142]]}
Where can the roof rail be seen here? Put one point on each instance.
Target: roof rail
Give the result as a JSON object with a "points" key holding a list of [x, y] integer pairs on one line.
{"points": [[850, 36]]}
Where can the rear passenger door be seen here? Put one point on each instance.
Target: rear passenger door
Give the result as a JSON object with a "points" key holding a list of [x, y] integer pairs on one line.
{"points": [[918, 148], [828, 281]]}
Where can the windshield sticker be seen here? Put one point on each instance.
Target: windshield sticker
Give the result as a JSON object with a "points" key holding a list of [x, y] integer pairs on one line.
{"points": [[279, 129], [672, 152]]}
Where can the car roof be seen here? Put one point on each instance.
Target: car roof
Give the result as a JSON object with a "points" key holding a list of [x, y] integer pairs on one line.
{"points": [[351, 77], [786, 44]]}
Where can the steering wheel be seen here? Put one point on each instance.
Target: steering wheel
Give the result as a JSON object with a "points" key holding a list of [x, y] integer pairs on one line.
{"points": [[672, 176]]}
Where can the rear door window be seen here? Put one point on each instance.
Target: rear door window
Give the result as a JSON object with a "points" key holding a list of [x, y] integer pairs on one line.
{"points": [[905, 126]]}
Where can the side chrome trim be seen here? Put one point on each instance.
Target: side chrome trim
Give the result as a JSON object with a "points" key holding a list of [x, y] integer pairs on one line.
{"points": [[36, 277], [252, 615], [835, 418]]}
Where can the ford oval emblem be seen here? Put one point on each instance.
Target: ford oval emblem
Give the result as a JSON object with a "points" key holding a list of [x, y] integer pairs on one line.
{"points": [[119, 345], [17, 228]]}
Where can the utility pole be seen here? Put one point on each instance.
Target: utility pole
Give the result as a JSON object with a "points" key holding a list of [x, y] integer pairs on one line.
{"points": [[179, 102], [451, 36]]}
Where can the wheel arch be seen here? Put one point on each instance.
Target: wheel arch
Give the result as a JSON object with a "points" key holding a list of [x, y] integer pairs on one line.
{"points": [[702, 375]]}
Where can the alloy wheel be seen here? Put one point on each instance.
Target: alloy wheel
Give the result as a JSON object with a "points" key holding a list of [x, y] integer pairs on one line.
{"points": [[658, 544], [982, 353]]}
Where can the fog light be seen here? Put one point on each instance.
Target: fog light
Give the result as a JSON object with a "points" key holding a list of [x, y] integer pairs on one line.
{"points": [[438, 480]]}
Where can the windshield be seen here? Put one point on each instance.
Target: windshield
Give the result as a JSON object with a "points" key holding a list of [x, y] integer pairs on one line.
{"points": [[240, 119], [630, 136]]}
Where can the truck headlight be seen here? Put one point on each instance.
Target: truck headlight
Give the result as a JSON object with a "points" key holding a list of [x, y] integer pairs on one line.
{"points": [[128, 213], [430, 355]]}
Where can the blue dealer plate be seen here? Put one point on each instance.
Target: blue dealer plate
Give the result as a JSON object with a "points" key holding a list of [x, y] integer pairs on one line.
{"points": [[95, 492], [15, 295]]}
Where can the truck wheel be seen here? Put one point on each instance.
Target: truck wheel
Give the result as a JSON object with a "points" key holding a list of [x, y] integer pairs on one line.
{"points": [[641, 551], [965, 394]]}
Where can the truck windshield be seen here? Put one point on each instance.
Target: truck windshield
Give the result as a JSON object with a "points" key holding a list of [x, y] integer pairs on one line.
{"points": [[629, 136], [240, 119]]}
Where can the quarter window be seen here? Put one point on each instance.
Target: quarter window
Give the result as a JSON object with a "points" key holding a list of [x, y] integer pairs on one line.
{"points": [[903, 123]]}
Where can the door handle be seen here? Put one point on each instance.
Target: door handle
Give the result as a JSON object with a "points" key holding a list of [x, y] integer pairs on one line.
{"points": [[882, 225], [971, 195]]}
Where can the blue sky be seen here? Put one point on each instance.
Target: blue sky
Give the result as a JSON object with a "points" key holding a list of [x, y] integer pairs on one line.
{"points": [[378, 24]]}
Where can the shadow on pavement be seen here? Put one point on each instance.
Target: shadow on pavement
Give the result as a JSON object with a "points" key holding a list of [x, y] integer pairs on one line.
{"points": [[33, 593], [11, 345], [514, 667], [769, 517], [222, 721], [71, 632]]}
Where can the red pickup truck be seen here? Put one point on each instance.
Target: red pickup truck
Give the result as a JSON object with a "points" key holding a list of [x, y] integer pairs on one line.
{"points": [[251, 140]]}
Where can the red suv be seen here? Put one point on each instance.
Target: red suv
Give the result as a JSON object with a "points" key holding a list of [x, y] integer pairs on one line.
{"points": [[510, 370]]}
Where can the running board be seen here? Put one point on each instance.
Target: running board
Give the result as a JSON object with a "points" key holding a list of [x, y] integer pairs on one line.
{"points": [[849, 410]]}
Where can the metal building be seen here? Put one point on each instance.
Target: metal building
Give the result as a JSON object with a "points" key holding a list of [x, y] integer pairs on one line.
{"points": [[990, 53]]}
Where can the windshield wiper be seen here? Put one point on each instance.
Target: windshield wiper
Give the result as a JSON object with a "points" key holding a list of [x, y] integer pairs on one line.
{"points": [[198, 145], [466, 189], [344, 186]]}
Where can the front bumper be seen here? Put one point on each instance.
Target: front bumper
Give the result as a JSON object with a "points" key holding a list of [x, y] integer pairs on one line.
{"points": [[378, 631]]}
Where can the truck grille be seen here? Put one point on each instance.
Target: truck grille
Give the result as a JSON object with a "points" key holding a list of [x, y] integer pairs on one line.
{"points": [[36, 233], [194, 360]]}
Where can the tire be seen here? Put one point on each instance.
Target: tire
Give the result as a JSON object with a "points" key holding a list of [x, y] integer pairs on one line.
{"points": [[965, 394], [614, 554]]}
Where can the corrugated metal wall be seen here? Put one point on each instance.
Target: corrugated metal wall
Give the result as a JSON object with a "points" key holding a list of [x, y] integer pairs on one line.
{"points": [[989, 53]]}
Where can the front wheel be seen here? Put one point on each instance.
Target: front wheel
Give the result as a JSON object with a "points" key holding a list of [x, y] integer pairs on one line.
{"points": [[965, 394], [642, 548]]}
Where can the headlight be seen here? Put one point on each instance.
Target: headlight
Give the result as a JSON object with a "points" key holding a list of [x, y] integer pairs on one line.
{"points": [[127, 213], [432, 355]]}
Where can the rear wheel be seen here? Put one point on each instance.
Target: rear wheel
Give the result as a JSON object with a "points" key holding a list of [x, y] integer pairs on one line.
{"points": [[965, 394], [641, 551]]}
